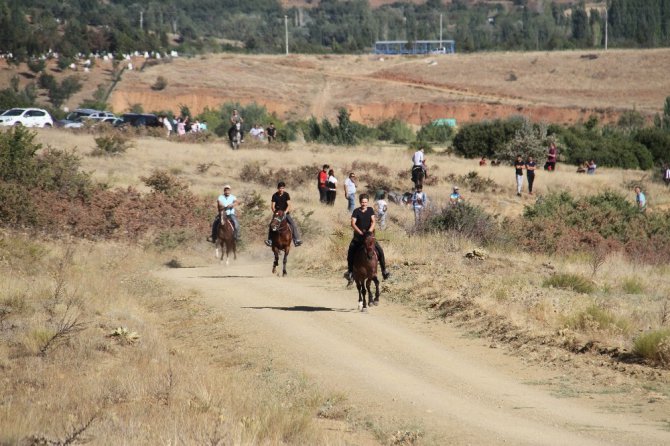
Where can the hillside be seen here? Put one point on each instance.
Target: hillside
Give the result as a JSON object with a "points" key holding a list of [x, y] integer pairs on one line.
{"points": [[561, 87]]}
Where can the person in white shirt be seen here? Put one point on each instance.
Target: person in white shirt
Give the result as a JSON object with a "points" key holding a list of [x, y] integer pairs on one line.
{"points": [[419, 201], [382, 207], [418, 165], [350, 191], [331, 185], [226, 202]]}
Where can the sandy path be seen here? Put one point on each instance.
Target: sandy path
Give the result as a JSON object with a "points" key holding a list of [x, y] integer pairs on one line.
{"points": [[393, 363]]}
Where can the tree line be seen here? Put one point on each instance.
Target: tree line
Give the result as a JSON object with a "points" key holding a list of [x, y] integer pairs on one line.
{"points": [[349, 26]]}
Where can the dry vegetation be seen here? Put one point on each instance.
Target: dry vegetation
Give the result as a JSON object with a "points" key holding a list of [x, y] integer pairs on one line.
{"points": [[173, 374]]}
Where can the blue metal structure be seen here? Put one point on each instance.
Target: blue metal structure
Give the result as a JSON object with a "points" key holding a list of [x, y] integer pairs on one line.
{"points": [[415, 47]]}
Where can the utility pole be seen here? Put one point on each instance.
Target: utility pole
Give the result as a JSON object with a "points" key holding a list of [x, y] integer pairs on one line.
{"points": [[440, 31], [141, 20], [606, 20], [286, 32]]}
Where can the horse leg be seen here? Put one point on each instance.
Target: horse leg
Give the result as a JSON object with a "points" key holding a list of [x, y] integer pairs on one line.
{"points": [[361, 296], [367, 287], [276, 262], [284, 262], [376, 281], [227, 252]]}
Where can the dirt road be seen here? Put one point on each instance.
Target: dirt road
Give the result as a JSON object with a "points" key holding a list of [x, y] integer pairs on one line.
{"points": [[396, 365]]}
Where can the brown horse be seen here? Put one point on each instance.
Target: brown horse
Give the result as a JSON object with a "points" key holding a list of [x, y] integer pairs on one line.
{"points": [[281, 238], [418, 175], [365, 271], [225, 238]]}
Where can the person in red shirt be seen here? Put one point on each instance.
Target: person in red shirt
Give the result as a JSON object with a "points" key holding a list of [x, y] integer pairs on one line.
{"points": [[323, 179]]}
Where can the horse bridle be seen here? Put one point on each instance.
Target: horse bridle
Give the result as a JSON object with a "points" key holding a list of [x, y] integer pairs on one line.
{"points": [[279, 219]]}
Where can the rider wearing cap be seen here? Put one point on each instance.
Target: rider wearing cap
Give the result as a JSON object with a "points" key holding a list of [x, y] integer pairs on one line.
{"points": [[281, 201], [363, 220], [226, 202]]}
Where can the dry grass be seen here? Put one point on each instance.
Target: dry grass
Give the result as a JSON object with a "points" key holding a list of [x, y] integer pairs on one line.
{"points": [[146, 364], [148, 387]]}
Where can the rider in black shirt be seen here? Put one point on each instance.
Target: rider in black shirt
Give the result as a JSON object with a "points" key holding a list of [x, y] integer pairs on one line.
{"points": [[363, 220], [281, 201]]}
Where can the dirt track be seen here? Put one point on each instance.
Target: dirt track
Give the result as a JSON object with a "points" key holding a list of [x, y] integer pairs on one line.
{"points": [[395, 364]]}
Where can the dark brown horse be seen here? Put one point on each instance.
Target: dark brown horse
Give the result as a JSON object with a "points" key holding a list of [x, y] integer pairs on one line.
{"points": [[418, 175], [281, 237], [225, 238], [365, 271]]}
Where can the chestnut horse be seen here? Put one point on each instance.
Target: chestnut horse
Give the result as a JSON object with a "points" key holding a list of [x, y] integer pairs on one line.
{"points": [[365, 271], [225, 238], [281, 237]]}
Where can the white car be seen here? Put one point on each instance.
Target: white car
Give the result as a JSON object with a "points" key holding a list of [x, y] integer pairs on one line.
{"points": [[29, 117]]}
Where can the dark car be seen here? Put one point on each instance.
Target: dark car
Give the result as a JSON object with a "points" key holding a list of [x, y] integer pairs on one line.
{"points": [[140, 120]]}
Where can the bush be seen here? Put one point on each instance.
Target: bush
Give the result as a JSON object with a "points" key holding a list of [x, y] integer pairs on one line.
{"points": [[467, 220], [161, 181], [436, 134], [632, 285], [395, 131], [595, 318], [485, 138], [654, 346], [473, 182], [160, 84], [573, 282], [111, 144]]}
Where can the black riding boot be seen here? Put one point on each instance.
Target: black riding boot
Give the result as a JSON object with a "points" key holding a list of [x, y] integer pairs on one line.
{"points": [[350, 263], [382, 260], [215, 228], [269, 239]]}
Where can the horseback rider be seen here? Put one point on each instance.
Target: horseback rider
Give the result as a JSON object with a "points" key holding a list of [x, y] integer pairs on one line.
{"points": [[226, 202], [234, 120], [281, 201], [418, 163], [363, 220]]}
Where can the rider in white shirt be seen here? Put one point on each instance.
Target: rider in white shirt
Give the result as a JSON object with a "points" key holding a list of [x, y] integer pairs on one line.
{"points": [[226, 202]]}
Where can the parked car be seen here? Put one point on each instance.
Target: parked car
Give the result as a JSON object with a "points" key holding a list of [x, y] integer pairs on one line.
{"points": [[76, 118], [29, 117], [140, 120]]}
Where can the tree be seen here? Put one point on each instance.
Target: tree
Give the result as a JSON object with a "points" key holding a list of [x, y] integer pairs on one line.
{"points": [[529, 140]]}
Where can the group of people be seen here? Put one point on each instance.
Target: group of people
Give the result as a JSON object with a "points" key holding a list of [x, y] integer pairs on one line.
{"points": [[182, 125], [327, 185], [257, 131]]}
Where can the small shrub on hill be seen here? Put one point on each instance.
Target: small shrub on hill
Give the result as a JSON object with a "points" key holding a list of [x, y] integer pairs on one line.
{"points": [[573, 282], [654, 346], [595, 318], [467, 220], [473, 182], [160, 84], [161, 181], [632, 285], [111, 144]]}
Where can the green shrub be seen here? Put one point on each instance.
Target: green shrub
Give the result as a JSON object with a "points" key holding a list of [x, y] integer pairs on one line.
{"points": [[161, 181], [467, 220], [632, 285], [395, 131], [436, 134], [568, 281], [485, 138], [111, 144], [172, 239], [654, 346], [595, 318], [473, 182]]}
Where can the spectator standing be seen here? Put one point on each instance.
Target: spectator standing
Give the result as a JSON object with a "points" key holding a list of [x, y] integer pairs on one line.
{"points": [[518, 166], [482, 162], [167, 125], [666, 174], [550, 165], [322, 179], [382, 207], [203, 126], [331, 184], [350, 191], [455, 197], [640, 199], [531, 165], [271, 132], [419, 201], [181, 127]]}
